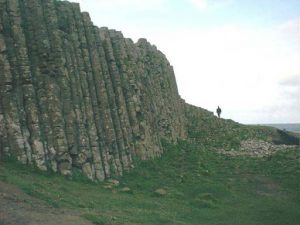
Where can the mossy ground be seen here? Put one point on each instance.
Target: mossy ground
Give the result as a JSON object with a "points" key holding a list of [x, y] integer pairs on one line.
{"points": [[203, 187]]}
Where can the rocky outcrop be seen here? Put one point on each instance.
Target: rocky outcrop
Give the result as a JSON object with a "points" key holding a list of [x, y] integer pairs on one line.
{"points": [[75, 96], [257, 149]]}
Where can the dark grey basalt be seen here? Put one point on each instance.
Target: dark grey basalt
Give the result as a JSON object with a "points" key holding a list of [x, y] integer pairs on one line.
{"points": [[75, 96]]}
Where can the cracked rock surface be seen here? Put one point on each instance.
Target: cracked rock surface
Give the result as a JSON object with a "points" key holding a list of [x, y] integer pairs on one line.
{"points": [[257, 148], [75, 96]]}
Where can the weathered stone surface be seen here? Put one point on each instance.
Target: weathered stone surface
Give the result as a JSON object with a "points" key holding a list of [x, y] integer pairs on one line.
{"points": [[75, 96], [257, 149], [160, 192], [126, 190]]}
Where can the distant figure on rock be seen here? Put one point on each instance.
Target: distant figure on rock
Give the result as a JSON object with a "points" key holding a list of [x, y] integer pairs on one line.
{"points": [[219, 111]]}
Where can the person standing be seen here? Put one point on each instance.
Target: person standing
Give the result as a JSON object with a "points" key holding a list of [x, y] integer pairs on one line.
{"points": [[219, 110]]}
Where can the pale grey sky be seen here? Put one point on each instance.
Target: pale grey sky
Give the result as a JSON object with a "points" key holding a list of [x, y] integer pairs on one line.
{"points": [[243, 55]]}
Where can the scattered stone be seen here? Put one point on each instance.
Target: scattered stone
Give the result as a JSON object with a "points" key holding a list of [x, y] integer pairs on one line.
{"points": [[75, 96], [108, 186], [113, 183], [160, 192], [126, 190], [256, 148]]}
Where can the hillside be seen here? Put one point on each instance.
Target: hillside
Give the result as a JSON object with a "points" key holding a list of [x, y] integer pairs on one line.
{"points": [[210, 178], [77, 97], [205, 128], [192, 183], [94, 131], [202, 180]]}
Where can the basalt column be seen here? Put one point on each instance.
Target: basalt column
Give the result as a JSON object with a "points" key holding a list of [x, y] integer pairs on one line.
{"points": [[77, 97]]}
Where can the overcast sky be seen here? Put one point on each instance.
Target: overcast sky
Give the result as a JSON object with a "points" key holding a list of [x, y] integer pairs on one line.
{"points": [[243, 55]]}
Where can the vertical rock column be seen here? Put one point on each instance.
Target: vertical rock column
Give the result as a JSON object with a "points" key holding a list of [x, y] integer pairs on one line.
{"points": [[83, 144], [75, 103], [4, 80], [116, 107], [47, 85], [76, 97], [166, 102], [28, 110], [64, 134], [104, 109], [144, 143], [5, 89], [89, 146], [112, 128], [121, 118], [18, 96], [130, 123]]}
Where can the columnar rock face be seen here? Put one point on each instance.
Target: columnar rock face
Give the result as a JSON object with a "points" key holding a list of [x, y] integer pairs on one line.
{"points": [[76, 96]]}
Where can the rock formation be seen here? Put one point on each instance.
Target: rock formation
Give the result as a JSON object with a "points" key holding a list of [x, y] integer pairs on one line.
{"points": [[257, 149], [75, 96]]}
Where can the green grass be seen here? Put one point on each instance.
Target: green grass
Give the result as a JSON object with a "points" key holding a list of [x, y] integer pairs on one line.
{"points": [[202, 187], [205, 128]]}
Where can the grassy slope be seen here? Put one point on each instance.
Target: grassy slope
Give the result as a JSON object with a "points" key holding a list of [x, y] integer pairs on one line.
{"points": [[202, 186], [205, 128]]}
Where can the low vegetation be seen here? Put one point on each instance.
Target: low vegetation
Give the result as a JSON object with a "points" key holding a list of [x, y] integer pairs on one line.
{"points": [[200, 187], [190, 184]]}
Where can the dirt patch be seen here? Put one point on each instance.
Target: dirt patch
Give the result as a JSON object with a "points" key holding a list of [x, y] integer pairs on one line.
{"points": [[18, 208], [267, 187], [263, 185]]}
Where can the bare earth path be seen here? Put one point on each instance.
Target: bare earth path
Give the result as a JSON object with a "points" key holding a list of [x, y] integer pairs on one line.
{"points": [[18, 208]]}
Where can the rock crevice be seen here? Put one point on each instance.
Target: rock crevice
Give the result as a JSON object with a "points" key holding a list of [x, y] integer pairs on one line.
{"points": [[75, 96]]}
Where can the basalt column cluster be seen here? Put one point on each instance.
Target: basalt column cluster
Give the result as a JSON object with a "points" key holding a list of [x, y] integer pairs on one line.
{"points": [[75, 96]]}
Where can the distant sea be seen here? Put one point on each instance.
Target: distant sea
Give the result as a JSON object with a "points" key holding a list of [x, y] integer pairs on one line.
{"points": [[294, 127]]}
